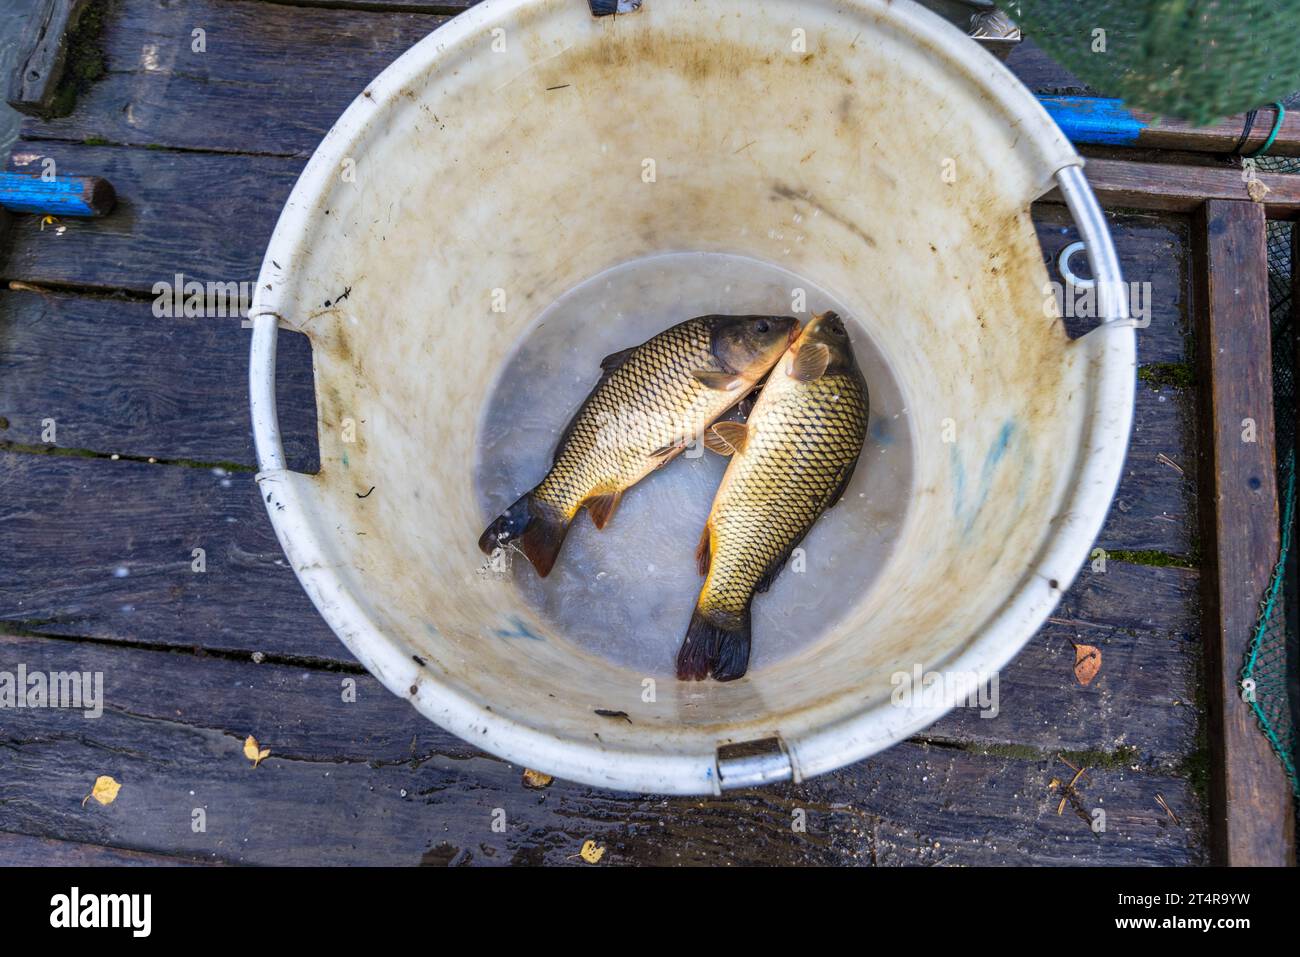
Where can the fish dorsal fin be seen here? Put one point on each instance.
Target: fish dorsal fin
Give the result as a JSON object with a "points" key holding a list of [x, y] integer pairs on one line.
{"points": [[719, 381], [810, 362], [727, 438], [616, 359], [703, 551], [602, 507]]}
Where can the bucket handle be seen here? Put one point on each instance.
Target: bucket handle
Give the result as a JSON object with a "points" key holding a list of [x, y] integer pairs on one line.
{"points": [[267, 443], [1095, 239]]}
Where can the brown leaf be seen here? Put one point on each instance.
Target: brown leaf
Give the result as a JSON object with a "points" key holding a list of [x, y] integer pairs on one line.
{"points": [[1087, 662]]}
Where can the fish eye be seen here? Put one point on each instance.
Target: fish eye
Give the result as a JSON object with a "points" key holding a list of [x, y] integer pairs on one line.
{"points": [[762, 325]]}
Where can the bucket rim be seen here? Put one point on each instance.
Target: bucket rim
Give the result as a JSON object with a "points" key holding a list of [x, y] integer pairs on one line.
{"points": [[989, 648]]}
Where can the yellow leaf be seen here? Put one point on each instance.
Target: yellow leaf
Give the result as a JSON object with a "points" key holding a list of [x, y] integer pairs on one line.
{"points": [[104, 791], [591, 853], [536, 779], [254, 752]]}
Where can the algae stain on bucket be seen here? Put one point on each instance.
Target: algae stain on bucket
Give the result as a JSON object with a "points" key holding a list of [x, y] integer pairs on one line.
{"points": [[626, 593]]}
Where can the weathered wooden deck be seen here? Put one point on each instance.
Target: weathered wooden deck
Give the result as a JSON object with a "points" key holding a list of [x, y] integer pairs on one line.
{"points": [[153, 458]]}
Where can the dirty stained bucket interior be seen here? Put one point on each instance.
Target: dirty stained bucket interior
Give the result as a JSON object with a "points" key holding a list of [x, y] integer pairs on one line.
{"points": [[532, 188]]}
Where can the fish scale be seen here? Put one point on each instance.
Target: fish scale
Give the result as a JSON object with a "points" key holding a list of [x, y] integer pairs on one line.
{"points": [[651, 401], [654, 387], [790, 463], [795, 460]]}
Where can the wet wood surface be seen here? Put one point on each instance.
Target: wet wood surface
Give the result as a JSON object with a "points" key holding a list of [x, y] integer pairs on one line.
{"points": [[97, 547], [1250, 801]]}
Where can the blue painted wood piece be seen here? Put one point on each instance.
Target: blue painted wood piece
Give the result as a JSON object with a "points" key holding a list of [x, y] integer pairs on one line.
{"points": [[1097, 120], [56, 196]]}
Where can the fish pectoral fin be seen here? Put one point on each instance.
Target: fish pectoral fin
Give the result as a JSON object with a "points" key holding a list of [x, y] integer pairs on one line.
{"points": [[616, 359], [727, 438], [810, 362], [718, 381], [602, 507], [703, 551]]}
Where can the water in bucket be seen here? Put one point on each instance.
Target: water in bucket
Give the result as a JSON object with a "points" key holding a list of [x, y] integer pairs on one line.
{"points": [[626, 593]]}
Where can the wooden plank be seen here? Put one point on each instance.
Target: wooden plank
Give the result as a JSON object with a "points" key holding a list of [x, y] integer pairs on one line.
{"points": [[1182, 189], [1141, 708], [205, 216], [160, 76], [1250, 802], [381, 785], [102, 549], [125, 576], [40, 69], [220, 234], [1102, 121], [114, 379], [23, 850], [1155, 505]]}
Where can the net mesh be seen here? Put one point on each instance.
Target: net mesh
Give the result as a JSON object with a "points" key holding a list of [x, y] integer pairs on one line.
{"points": [[1270, 666], [1198, 60]]}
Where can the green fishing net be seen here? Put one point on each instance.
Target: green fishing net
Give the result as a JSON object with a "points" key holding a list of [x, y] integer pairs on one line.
{"points": [[1198, 60], [1270, 666]]}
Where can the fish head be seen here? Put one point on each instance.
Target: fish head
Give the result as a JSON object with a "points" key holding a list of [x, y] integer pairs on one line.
{"points": [[828, 329], [751, 345]]}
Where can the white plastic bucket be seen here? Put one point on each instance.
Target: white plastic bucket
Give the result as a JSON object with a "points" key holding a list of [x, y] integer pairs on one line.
{"points": [[866, 145]]}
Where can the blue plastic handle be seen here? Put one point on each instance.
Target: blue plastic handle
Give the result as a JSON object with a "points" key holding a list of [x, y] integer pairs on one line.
{"points": [[56, 196]]}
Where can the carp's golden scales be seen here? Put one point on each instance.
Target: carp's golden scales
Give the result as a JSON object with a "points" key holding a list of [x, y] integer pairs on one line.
{"points": [[652, 402], [790, 462]]}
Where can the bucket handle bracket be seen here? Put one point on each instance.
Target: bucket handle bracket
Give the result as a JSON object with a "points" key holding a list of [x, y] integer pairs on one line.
{"points": [[753, 763]]}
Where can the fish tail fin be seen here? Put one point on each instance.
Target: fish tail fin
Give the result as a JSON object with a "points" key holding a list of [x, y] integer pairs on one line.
{"points": [[717, 647], [537, 531]]}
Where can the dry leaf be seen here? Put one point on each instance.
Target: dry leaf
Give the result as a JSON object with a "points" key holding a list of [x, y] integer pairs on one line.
{"points": [[104, 791], [253, 753], [591, 853], [1087, 662], [536, 779], [1256, 190]]}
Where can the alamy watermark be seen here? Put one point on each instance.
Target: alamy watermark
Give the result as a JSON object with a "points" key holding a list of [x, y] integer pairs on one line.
{"points": [[919, 688], [1070, 301], [76, 690], [183, 298]]}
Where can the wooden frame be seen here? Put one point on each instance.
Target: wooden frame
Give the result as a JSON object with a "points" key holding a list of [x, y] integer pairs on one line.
{"points": [[1252, 820]]}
